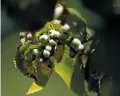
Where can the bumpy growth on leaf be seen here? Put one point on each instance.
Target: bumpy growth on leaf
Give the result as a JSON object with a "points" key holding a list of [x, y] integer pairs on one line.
{"points": [[57, 42]]}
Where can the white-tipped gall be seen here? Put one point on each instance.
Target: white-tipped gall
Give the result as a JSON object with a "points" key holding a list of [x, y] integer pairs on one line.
{"points": [[65, 27], [41, 59], [48, 47], [46, 53], [51, 32], [29, 35], [44, 38], [56, 22], [54, 33], [57, 34], [52, 42], [22, 34], [81, 47], [22, 40], [75, 43], [58, 10], [35, 51]]}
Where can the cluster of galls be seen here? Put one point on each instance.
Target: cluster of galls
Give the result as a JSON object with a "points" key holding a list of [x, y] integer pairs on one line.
{"points": [[38, 47], [46, 46], [51, 39], [25, 36]]}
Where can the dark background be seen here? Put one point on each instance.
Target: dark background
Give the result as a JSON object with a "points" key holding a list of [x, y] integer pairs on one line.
{"points": [[102, 15]]}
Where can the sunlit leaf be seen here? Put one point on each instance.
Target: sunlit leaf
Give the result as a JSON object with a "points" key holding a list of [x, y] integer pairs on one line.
{"points": [[34, 88], [63, 69]]}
